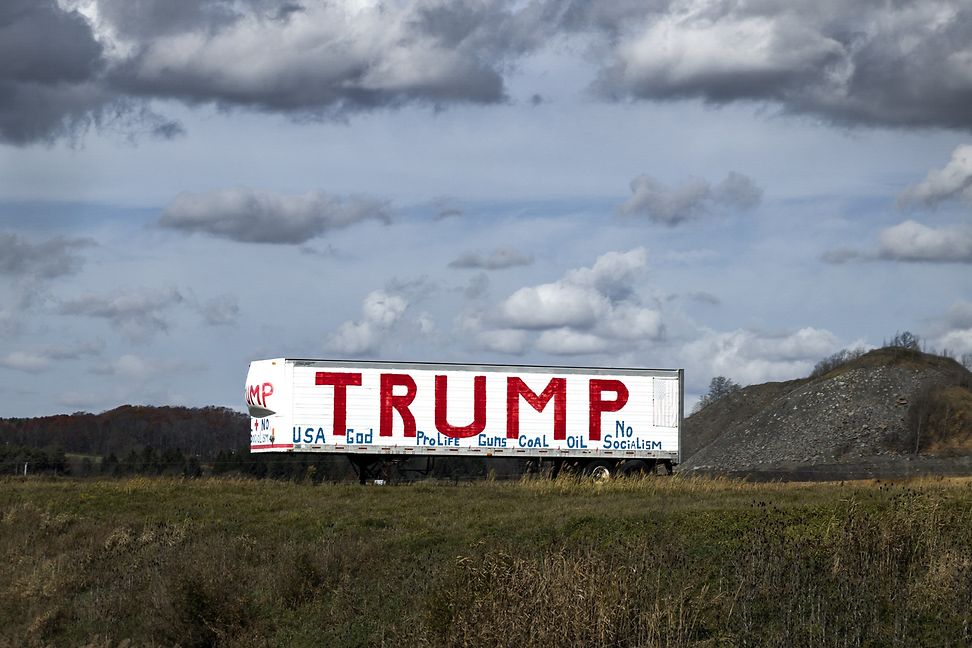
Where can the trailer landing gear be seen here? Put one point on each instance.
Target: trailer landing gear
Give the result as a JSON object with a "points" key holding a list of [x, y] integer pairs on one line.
{"points": [[383, 467]]}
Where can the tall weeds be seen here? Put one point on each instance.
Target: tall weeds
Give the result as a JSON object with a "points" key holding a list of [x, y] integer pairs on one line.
{"points": [[655, 562]]}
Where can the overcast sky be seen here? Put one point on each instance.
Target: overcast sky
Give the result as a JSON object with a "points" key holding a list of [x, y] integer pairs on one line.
{"points": [[736, 188]]}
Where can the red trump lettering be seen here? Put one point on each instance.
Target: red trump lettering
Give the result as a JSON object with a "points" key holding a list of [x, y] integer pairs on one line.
{"points": [[401, 403], [479, 409], [599, 405], [341, 382], [556, 389]]}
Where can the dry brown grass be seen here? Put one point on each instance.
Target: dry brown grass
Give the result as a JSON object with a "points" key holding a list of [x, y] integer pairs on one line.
{"points": [[949, 423], [654, 562]]}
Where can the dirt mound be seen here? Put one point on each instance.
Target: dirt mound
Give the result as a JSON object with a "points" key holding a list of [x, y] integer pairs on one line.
{"points": [[888, 403]]}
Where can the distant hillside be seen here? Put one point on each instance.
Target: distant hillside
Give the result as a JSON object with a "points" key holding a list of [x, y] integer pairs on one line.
{"points": [[195, 431], [889, 403]]}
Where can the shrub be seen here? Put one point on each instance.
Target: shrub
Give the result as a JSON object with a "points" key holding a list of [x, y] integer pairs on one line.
{"points": [[836, 360], [719, 387]]}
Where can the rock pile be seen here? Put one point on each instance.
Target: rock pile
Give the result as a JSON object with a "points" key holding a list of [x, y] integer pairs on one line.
{"points": [[857, 412]]}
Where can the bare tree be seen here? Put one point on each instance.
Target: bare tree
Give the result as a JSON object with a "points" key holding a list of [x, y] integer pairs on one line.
{"points": [[719, 387]]}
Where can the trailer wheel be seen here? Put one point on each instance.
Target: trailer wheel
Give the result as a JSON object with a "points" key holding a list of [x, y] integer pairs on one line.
{"points": [[638, 468], [599, 470]]}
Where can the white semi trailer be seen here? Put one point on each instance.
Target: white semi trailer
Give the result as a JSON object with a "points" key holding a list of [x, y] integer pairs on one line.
{"points": [[600, 421]]}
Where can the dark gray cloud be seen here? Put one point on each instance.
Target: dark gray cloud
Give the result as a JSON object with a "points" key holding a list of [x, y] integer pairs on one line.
{"points": [[22, 258], [220, 311], [477, 286], [842, 255], [703, 297], [136, 20], [252, 216], [138, 316], [870, 62], [323, 59], [498, 259], [674, 205], [446, 207], [50, 63]]}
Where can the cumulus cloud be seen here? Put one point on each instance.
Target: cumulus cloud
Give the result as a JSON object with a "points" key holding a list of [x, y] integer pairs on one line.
{"points": [[566, 341], [508, 341], [953, 331], [474, 327], [954, 181], [588, 310], [55, 77], [137, 316], [498, 259], [674, 205], [49, 65], [870, 62], [750, 357], [912, 241], [251, 216], [38, 360], [380, 312], [322, 58], [55, 257]]}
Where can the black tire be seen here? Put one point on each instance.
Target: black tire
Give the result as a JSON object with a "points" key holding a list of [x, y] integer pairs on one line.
{"points": [[638, 468]]}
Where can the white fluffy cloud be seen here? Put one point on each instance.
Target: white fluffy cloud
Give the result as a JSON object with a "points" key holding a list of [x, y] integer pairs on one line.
{"points": [[750, 357], [954, 330], [380, 312], [589, 310], [867, 62], [953, 181], [553, 305], [566, 341], [327, 58], [912, 241]]}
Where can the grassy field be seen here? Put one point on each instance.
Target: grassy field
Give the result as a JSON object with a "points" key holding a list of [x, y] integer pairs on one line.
{"points": [[663, 561]]}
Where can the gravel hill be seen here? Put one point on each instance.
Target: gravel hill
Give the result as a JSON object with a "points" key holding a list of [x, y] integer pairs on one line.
{"points": [[891, 406]]}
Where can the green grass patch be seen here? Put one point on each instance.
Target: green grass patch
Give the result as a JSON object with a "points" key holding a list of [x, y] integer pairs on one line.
{"points": [[655, 562]]}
